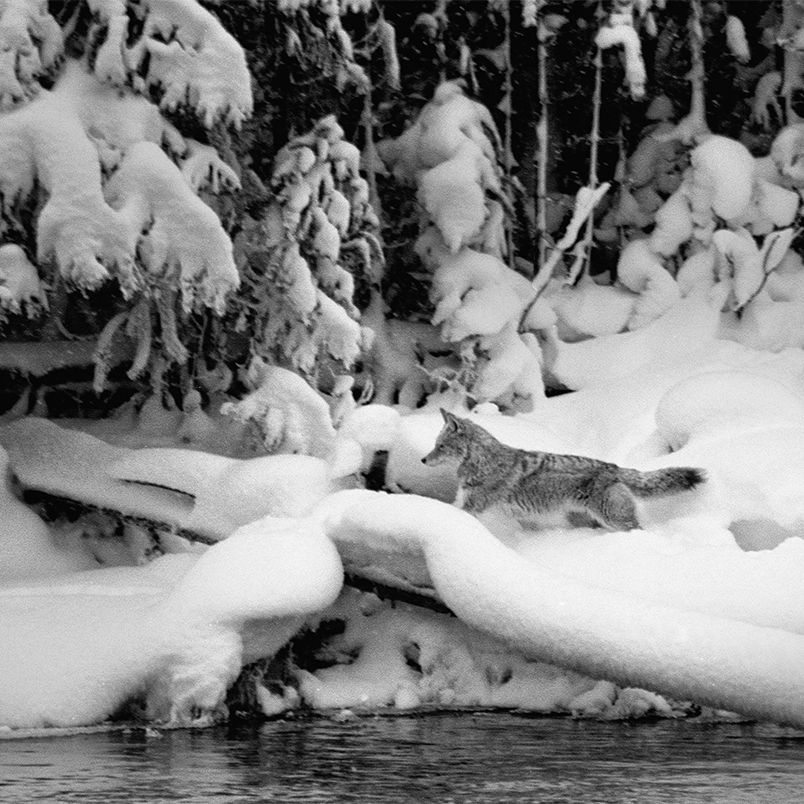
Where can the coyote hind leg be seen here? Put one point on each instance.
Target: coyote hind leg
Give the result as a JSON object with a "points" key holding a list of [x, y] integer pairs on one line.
{"points": [[617, 508]]}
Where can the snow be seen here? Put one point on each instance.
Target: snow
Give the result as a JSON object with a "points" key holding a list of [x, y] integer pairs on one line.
{"points": [[232, 492], [684, 329], [459, 666], [25, 541], [149, 192], [753, 449], [673, 224], [476, 294], [65, 139], [721, 662], [742, 254], [697, 271], [737, 40], [626, 35], [77, 648], [723, 175], [184, 489], [373, 428], [442, 133], [510, 368], [778, 204], [75, 465], [674, 565], [289, 412], [702, 604], [785, 152], [189, 56], [587, 308], [766, 102], [337, 333], [453, 194], [452, 152], [642, 272], [31, 41], [711, 404], [19, 282]]}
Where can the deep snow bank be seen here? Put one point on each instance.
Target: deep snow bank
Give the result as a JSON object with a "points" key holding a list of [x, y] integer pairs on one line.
{"points": [[175, 632], [678, 608], [712, 660]]}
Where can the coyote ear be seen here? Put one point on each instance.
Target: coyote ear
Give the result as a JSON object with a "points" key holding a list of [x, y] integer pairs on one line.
{"points": [[451, 421]]}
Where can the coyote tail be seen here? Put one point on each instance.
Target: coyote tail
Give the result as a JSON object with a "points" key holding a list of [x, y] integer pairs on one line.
{"points": [[662, 481]]}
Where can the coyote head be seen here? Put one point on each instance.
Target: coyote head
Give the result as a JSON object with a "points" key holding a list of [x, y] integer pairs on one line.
{"points": [[452, 442]]}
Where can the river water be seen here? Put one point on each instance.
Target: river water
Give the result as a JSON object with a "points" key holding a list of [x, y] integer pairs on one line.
{"points": [[437, 759]]}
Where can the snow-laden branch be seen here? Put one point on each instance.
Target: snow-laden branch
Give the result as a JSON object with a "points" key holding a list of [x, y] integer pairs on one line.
{"points": [[175, 47], [145, 217], [184, 243], [30, 42], [182, 51], [586, 199], [46, 143]]}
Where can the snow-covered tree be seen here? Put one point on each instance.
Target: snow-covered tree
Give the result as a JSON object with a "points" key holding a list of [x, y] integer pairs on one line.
{"points": [[302, 262], [143, 93], [106, 134], [450, 154], [706, 199]]}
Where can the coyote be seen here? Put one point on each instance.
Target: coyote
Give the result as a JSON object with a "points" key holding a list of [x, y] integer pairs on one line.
{"points": [[491, 473]]}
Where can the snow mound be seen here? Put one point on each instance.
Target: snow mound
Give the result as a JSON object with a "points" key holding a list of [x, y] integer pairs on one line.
{"points": [[683, 329], [674, 565], [175, 632], [711, 403], [374, 427], [716, 661], [26, 545], [723, 176]]}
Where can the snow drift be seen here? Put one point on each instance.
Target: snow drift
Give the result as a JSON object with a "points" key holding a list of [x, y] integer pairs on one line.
{"points": [[702, 604], [175, 632], [712, 660]]}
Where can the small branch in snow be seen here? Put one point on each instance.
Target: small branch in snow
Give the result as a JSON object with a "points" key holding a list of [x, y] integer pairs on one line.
{"points": [[508, 153], [543, 139], [387, 592], [585, 202], [594, 137], [771, 255]]}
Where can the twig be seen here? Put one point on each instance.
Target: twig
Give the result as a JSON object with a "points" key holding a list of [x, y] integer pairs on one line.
{"points": [[594, 138], [542, 137], [508, 155]]}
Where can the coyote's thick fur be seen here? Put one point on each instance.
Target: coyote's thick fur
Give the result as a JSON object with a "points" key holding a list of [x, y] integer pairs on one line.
{"points": [[491, 473]]}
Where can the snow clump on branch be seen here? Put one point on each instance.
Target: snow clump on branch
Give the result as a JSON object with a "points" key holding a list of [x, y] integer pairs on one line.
{"points": [[182, 51], [620, 30]]}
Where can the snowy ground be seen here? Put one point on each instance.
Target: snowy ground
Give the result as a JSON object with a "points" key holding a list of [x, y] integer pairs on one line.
{"points": [[702, 605]]}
